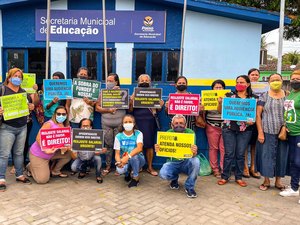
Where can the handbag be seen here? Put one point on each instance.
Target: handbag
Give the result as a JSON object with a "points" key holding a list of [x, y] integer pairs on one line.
{"points": [[282, 135], [205, 168]]}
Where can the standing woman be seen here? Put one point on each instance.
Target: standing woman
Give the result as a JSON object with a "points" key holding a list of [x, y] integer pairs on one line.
{"points": [[110, 120], [236, 135], [13, 132], [272, 153], [146, 122], [292, 118]]}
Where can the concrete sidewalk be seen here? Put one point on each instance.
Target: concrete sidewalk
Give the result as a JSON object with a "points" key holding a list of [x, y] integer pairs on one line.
{"points": [[74, 201]]}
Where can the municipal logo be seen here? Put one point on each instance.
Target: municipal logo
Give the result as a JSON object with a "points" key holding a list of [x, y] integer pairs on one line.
{"points": [[148, 21]]}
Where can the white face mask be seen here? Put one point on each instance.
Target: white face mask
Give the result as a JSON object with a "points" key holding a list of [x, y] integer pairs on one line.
{"points": [[128, 126]]}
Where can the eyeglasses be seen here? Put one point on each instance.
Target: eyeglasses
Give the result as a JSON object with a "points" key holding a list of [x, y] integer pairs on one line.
{"points": [[61, 114]]}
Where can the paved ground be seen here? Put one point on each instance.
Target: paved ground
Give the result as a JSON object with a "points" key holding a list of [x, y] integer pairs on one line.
{"points": [[73, 201]]}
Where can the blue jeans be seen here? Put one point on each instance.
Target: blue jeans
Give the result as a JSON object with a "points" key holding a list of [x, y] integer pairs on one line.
{"points": [[81, 165], [171, 171], [235, 143], [294, 151], [135, 163], [12, 139]]}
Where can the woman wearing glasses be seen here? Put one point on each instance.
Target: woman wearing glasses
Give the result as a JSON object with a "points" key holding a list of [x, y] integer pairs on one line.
{"points": [[38, 167]]}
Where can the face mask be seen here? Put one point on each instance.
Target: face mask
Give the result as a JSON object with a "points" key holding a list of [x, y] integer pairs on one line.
{"points": [[82, 77], [110, 85], [276, 85], [16, 81], [295, 85], [145, 85], [61, 119], [240, 87], [179, 129], [128, 126], [181, 87]]}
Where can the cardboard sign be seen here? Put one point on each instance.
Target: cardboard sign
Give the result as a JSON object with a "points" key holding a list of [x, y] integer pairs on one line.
{"points": [[55, 137], [29, 79], [87, 140], [14, 106], [59, 88], [209, 98], [186, 104], [239, 109], [147, 97], [259, 88], [86, 88], [177, 145], [118, 98]]}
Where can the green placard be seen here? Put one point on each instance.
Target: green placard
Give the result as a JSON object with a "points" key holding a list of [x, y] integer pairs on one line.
{"points": [[14, 106], [86, 88], [29, 79]]}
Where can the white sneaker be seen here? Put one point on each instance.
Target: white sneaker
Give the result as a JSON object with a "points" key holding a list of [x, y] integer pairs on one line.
{"points": [[289, 192]]}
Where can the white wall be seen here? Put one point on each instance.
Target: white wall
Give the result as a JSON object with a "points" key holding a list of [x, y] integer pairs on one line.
{"points": [[219, 47], [58, 54], [1, 45], [124, 50]]}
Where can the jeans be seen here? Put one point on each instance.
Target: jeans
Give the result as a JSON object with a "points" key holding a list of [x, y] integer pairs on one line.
{"points": [[135, 163], [294, 151], [235, 143], [80, 166], [12, 138], [171, 171]]}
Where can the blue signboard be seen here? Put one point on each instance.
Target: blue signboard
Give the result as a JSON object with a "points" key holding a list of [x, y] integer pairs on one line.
{"points": [[87, 26], [58, 88], [239, 109]]}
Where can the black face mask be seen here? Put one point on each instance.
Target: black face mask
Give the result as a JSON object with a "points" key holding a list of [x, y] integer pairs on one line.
{"points": [[295, 85], [181, 87], [144, 85], [82, 77]]}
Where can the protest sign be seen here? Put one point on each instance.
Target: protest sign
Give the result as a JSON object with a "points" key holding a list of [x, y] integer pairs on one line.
{"points": [[209, 98], [259, 88], [117, 98], [55, 137], [14, 106], [87, 140], [239, 109], [59, 88], [29, 79], [177, 145], [186, 104], [86, 88], [147, 97]]}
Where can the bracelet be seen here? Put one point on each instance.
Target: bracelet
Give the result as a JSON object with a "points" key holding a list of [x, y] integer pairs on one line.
{"points": [[129, 156]]}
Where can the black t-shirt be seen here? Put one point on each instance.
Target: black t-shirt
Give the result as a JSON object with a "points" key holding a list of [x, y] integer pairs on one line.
{"points": [[18, 122]]}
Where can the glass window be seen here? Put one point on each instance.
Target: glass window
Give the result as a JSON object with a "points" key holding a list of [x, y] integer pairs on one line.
{"points": [[75, 62], [156, 66], [140, 63], [37, 63], [109, 64], [91, 63], [15, 59], [173, 64]]}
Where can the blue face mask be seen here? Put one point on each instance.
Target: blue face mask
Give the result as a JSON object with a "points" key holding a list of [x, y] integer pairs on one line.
{"points": [[61, 119], [16, 81]]}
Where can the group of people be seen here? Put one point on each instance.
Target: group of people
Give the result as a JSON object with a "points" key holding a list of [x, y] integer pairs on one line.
{"points": [[127, 133]]}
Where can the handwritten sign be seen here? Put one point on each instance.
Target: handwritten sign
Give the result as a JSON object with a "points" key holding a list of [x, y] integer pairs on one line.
{"points": [[209, 98], [177, 145], [239, 109], [55, 137], [87, 140], [60, 88], [86, 88], [29, 79], [14, 106], [147, 97], [259, 88], [118, 98], [186, 104]]}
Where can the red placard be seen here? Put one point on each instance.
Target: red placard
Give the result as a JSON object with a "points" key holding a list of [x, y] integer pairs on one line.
{"points": [[186, 104], [55, 137]]}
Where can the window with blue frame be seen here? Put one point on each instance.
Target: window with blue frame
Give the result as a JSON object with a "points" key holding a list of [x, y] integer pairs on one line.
{"points": [[93, 59], [161, 65]]}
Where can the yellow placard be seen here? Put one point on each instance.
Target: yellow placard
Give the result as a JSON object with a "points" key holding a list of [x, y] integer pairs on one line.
{"points": [[175, 145], [29, 79], [209, 98]]}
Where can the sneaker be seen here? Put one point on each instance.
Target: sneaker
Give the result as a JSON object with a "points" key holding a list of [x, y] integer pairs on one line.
{"points": [[127, 177], [174, 184], [191, 193], [289, 192], [133, 183]]}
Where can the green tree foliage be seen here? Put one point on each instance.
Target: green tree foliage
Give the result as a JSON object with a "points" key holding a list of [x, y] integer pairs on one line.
{"points": [[292, 9]]}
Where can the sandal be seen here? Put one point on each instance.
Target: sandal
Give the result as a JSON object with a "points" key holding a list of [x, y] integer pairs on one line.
{"points": [[25, 180], [106, 171], [99, 180], [280, 187], [2, 187], [81, 175], [152, 172], [222, 182], [255, 174], [217, 174], [264, 187], [60, 175], [241, 183]]}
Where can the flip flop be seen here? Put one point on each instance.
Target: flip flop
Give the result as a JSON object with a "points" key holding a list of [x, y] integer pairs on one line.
{"points": [[281, 188], [153, 172], [105, 172], [99, 180], [264, 187], [60, 175]]}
